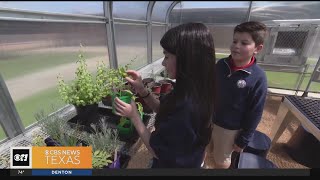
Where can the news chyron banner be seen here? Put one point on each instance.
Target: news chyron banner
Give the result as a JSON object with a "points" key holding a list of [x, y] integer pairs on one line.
{"points": [[56, 157], [61, 157]]}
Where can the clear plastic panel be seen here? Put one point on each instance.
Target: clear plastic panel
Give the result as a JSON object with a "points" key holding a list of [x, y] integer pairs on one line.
{"points": [[33, 54], [130, 9], [268, 11], [159, 11], [157, 33], [65, 7], [223, 12], [131, 43]]}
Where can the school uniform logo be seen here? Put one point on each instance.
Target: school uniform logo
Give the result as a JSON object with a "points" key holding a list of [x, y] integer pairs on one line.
{"points": [[241, 83]]}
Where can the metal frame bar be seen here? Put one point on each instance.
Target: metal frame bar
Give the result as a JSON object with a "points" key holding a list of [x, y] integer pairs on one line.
{"points": [[128, 23], [159, 23], [124, 20], [51, 14], [174, 3], [249, 12], [305, 93], [9, 117], [110, 35], [50, 20], [149, 31], [6, 13]]}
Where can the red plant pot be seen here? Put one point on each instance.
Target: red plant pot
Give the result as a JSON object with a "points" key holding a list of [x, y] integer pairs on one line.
{"points": [[166, 88], [156, 88]]}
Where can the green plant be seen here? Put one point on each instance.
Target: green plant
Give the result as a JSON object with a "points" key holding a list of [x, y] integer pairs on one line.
{"points": [[69, 138], [56, 127], [85, 89], [102, 79], [116, 78], [103, 138], [100, 159], [50, 124], [140, 107], [104, 142], [5, 161], [38, 140]]}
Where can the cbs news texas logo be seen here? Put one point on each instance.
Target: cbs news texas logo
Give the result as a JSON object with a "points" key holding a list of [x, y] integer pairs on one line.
{"points": [[51, 157]]}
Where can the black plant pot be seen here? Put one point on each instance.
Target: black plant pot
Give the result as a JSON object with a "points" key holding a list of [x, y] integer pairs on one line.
{"points": [[107, 101], [50, 142], [87, 114]]}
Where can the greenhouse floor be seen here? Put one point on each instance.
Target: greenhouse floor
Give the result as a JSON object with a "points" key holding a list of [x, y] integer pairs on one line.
{"points": [[141, 157]]}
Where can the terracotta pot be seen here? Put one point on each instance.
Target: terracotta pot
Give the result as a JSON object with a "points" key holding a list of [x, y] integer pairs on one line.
{"points": [[166, 86], [156, 88]]}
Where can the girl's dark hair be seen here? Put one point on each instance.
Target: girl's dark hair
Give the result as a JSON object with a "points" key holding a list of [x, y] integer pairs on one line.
{"points": [[193, 46]]}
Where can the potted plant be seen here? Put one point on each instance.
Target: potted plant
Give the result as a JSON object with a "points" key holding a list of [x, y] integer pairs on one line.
{"points": [[56, 134], [104, 140], [121, 89], [105, 144], [156, 88], [85, 92], [166, 86], [147, 82], [125, 126], [118, 85]]}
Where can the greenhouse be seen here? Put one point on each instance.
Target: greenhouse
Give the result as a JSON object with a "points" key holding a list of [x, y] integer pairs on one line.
{"points": [[54, 53]]}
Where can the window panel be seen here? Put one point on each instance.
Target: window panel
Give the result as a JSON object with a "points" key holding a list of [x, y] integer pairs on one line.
{"points": [[157, 50], [159, 11], [65, 7], [131, 43], [130, 9], [32, 54]]}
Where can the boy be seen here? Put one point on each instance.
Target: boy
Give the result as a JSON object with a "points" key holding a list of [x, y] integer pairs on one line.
{"points": [[241, 92]]}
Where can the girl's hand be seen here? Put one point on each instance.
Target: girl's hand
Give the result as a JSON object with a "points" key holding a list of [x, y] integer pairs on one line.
{"points": [[125, 109], [136, 81]]}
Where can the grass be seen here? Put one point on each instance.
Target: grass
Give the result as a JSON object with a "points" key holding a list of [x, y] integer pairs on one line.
{"points": [[2, 134], [25, 64], [44, 100], [29, 106]]}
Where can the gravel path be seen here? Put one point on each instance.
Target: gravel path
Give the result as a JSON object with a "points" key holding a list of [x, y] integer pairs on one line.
{"points": [[30, 84]]}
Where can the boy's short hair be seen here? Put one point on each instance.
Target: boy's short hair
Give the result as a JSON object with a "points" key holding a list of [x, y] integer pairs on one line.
{"points": [[257, 30]]}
